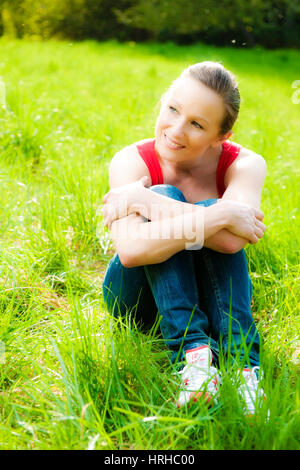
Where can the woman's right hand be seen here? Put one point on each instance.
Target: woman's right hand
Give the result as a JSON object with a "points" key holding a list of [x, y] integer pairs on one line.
{"points": [[243, 220], [117, 202]]}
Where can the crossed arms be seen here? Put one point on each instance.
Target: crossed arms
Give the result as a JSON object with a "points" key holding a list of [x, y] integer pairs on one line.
{"points": [[225, 227]]}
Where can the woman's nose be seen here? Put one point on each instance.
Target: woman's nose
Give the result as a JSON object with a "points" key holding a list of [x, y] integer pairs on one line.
{"points": [[178, 129]]}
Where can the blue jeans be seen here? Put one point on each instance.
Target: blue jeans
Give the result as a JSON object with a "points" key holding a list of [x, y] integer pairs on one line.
{"points": [[202, 296]]}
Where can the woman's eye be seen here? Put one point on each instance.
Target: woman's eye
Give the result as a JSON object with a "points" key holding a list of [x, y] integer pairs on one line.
{"points": [[171, 108], [196, 124]]}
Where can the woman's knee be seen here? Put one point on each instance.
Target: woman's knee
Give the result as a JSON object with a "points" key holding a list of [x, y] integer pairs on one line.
{"points": [[169, 191], [206, 202], [113, 300], [122, 287]]}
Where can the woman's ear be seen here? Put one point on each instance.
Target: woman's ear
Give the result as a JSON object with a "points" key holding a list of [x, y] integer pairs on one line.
{"points": [[222, 138], [225, 137]]}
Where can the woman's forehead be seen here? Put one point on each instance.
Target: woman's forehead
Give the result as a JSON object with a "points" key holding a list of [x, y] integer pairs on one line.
{"points": [[198, 98]]}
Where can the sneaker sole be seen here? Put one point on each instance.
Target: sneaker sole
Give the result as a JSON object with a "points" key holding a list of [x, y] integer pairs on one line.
{"points": [[195, 397]]}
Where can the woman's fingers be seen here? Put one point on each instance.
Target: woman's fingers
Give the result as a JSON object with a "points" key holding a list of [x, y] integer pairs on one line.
{"points": [[109, 214], [260, 228], [105, 217], [258, 214], [259, 233], [253, 238], [260, 224]]}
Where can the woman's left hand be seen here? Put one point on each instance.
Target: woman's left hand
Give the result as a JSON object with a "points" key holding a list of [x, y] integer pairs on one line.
{"points": [[117, 201]]}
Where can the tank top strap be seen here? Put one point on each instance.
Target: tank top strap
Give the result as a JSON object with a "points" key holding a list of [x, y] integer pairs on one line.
{"points": [[229, 153], [148, 154]]}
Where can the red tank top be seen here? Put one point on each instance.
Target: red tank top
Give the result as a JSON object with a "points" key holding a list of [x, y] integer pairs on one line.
{"points": [[229, 153]]}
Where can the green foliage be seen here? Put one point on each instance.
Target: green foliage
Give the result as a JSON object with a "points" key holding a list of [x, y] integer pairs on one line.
{"points": [[271, 23], [75, 19]]}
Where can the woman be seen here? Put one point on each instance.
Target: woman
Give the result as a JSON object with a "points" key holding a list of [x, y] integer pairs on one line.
{"points": [[198, 281]]}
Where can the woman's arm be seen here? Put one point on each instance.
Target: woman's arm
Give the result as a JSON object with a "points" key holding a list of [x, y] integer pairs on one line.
{"points": [[139, 243], [225, 242], [135, 198], [244, 181], [126, 167]]}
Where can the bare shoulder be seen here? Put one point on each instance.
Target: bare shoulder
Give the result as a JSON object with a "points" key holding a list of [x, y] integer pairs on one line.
{"points": [[251, 159], [127, 166], [248, 166]]}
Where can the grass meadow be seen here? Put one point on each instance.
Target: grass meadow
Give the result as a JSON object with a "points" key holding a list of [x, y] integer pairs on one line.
{"points": [[71, 377]]}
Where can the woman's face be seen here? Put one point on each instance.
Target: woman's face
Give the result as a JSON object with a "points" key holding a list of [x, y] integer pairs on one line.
{"points": [[189, 122]]}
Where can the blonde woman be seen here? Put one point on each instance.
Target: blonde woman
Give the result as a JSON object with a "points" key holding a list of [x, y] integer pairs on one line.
{"points": [[181, 208]]}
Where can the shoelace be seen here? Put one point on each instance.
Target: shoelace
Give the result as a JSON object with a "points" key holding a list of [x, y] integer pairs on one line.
{"points": [[194, 376], [250, 389]]}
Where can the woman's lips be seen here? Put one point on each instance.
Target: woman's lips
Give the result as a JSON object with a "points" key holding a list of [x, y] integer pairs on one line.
{"points": [[171, 144]]}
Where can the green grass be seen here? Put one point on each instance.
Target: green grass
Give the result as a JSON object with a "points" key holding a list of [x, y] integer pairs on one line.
{"points": [[65, 379]]}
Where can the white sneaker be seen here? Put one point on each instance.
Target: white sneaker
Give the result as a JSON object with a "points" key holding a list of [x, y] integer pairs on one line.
{"points": [[250, 390], [198, 377]]}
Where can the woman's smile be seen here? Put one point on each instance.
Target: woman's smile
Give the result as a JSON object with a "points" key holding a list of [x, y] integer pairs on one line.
{"points": [[172, 144]]}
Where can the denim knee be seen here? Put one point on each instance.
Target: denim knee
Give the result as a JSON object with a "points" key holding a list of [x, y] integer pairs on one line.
{"points": [[206, 202], [169, 191]]}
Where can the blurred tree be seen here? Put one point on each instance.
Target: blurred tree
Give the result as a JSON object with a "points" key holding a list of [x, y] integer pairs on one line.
{"points": [[30, 17], [272, 23], [93, 19], [76, 19], [250, 21]]}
